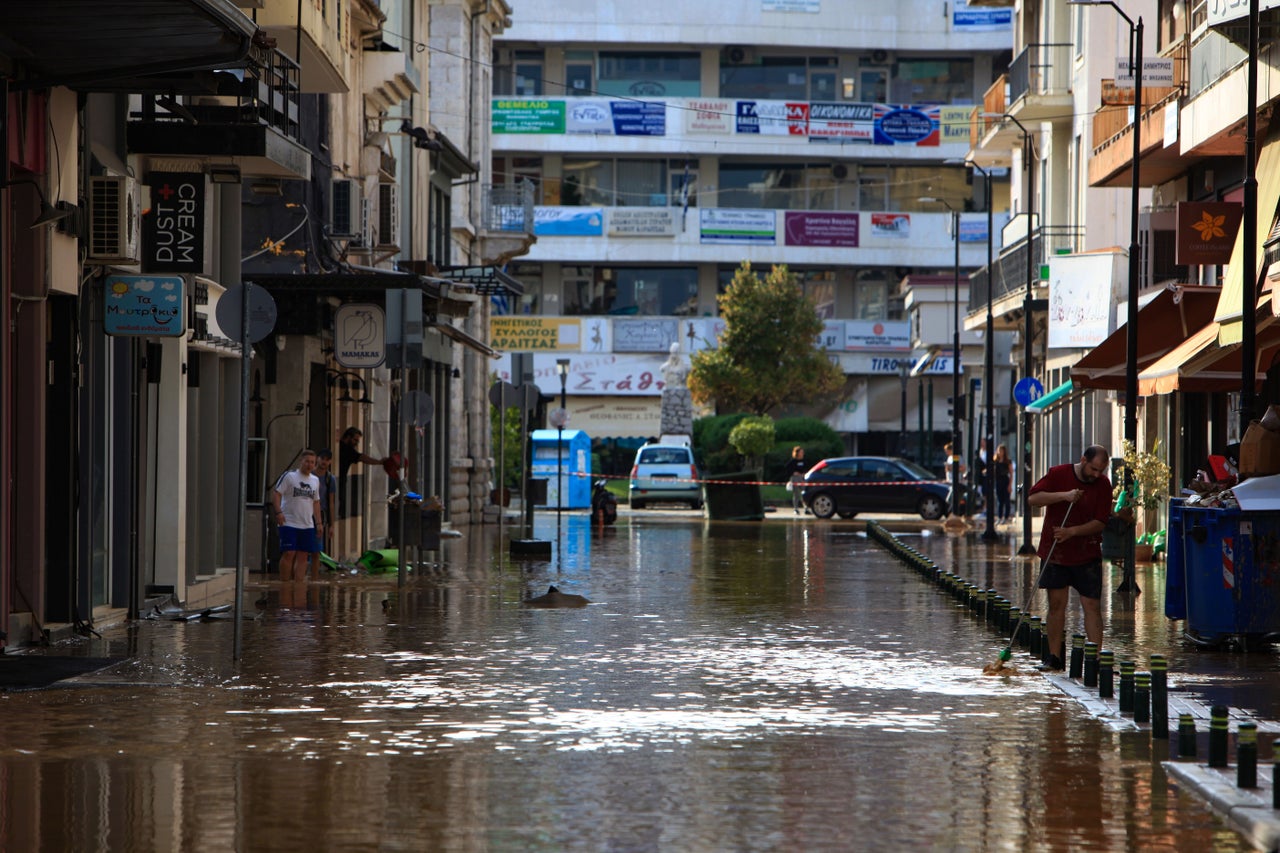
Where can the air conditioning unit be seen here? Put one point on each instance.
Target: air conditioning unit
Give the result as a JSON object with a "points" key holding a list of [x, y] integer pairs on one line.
{"points": [[839, 171], [345, 208], [115, 225], [736, 54], [879, 57], [388, 233]]}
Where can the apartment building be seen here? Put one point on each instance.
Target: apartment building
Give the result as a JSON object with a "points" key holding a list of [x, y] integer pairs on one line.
{"points": [[664, 144]]}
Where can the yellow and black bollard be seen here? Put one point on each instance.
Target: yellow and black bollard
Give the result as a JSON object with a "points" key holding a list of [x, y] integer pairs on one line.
{"points": [[1186, 736], [1159, 697], [1090, 664], [1126, 686], [1142, 697], [1218, 736], [1037, 637], [1077, 656], [1247, 755], [1106, 674], [989, 607]]}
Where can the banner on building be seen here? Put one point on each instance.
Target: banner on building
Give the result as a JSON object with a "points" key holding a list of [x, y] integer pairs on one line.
{"points": [[642, 221], [737, 225], [518, 334], [877, 335], [1080, 298], [527, 116], [897, 225], [967, 19], [773, 118], [568, 221], [817, 228], [842, 122], [704, 115]]}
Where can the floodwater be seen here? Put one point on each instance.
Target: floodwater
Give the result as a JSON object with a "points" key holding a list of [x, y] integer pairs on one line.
{"points": [[730, 687]]}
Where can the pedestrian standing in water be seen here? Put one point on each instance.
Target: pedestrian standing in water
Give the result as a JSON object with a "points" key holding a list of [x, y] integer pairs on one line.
{"points": [[1077, 503], [1002, 466], [796, 469], [296, 501]]}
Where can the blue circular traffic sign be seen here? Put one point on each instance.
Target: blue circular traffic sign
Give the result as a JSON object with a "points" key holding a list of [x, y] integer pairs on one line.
{"points": [[1027, 391]]}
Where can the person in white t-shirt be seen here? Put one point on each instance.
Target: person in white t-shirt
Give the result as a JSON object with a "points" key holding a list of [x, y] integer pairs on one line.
{"points": [[296, 501]]}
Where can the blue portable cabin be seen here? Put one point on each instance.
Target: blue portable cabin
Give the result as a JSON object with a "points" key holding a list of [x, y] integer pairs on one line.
{"points": [[575, 466]]}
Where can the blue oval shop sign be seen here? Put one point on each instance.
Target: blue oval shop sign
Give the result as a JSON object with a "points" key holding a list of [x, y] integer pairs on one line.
{"points": [[906, 125]]}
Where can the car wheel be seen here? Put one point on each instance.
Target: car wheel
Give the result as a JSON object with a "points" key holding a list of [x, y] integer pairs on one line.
{"points": [[637, 504], [847, 514], [932, 507], [823, 505]]}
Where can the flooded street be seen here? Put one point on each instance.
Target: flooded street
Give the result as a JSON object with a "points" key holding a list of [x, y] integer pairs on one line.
{"points": [[769, 686]]}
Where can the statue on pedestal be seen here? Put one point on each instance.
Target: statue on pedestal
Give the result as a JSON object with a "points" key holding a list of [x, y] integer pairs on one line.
{"points": [[677, 403]]}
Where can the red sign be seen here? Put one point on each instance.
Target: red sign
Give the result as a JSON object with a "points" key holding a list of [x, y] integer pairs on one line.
{"points": [[1207, 231]]}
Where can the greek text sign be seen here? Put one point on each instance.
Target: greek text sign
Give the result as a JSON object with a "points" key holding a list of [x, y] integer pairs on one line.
{"points": [[144, 305]]}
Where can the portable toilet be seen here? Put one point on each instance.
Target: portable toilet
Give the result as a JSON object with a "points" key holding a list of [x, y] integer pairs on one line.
{"points": [[574, 455]]}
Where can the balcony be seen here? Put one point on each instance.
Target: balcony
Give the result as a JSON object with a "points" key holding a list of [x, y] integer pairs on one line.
{"points": [[1010, 276], [506, 222], [323, 60], [390, 79], [1110, 164], [1040, 84], [248, 118], [990, 137]]}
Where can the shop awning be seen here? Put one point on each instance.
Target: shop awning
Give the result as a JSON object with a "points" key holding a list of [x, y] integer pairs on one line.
{"points": [[1203, 363], [486, 280], [1172, 316], [1230, 302], [461, 337], [1060, 396], [91, 45], [364, 283]]}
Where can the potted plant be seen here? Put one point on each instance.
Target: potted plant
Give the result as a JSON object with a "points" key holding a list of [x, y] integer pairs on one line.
{"points": [[1150, 487]]}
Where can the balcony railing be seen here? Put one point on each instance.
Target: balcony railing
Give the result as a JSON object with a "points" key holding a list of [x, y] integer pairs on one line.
{"points": [[508, 208], [1011, 266], [1041, 69], [263, 93]]}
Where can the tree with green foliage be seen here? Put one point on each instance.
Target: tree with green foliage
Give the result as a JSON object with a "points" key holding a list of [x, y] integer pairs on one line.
{"points": [[753, 438], [767, 356]]}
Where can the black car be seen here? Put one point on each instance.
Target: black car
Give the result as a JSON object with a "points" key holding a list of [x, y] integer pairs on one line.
{"points": [[848, 485]]}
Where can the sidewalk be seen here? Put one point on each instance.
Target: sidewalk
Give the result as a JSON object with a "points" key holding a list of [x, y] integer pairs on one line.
{"points": [[1135, 629]]}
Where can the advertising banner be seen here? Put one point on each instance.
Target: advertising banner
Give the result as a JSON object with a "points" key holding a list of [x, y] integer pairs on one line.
{"points": [[897, 225], [816, 228], [734, 225], [568, 221], [1080, 304], [518, 334], [843, 122], [588, 115], [642, 221], [528, 116], [877, 335], [708, 116], [772, 118], [981, 19], [639, 118], [906, 125]]}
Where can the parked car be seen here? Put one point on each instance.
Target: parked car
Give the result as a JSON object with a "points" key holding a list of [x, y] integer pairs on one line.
{"points": [[664, 473], [848, 485]]}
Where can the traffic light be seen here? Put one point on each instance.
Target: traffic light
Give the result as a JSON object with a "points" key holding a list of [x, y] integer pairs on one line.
{"points": [[958, 410]]}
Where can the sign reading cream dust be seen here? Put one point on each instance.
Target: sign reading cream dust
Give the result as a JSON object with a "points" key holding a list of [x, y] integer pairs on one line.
{"points": [[173, 223]]}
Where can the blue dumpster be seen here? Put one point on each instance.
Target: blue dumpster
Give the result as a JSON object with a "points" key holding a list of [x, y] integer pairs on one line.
{"points": [[1231, 561], [1175, 575]]}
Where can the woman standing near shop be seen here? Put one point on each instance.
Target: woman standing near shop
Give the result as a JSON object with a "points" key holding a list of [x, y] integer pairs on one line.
{"points": [[1003, 468]]}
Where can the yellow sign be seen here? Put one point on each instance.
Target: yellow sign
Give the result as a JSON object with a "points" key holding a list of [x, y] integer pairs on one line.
{"points": [[520, 334]]}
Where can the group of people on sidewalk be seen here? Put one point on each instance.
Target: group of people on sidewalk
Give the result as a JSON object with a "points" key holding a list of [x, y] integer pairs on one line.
{"points": [[1000, 466], [303, 505]]}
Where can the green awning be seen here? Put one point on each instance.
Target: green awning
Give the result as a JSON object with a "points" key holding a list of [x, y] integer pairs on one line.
{"points": [[1060, 395]]}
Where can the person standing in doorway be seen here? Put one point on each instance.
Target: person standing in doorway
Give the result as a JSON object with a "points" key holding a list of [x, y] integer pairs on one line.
{"points": [[1002, 467], [796, 469], [296, 501], [1077, 502], [349, 453]]}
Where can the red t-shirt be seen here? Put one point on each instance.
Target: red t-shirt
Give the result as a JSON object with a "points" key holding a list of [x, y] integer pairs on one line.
{"points": [[1095, 503]]}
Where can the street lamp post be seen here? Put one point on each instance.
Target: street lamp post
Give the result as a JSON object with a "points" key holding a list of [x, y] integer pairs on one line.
{"points": [[988, 371], [1131, 322], [1028, 331], [1249, 261], [955, 357], [562, 370]]}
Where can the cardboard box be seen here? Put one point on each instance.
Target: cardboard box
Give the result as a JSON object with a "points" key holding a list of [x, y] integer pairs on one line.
{"points": [[1259, 452]]}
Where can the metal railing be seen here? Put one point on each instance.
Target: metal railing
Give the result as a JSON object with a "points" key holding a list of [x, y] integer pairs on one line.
{"points": [[508, 208], [1041, 69], [1011, 266]]}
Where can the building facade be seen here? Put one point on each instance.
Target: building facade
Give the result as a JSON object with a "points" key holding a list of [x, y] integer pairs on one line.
{"points": [[666, 144]]}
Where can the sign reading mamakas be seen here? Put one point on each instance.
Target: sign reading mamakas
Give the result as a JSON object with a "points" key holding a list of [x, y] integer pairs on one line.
{"points": [[173, 223]]}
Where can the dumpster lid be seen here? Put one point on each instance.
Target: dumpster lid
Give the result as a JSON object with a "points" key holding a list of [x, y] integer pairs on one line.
{"points": [[1258, 492]]}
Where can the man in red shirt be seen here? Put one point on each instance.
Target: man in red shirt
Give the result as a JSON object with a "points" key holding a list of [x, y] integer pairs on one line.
{"points": [[1077, 502]]}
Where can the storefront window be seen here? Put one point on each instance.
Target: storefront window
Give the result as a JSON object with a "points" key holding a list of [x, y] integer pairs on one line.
{"points": [[927, 80], [614, 183], [760, 186], [649, 74], [632, 291]]}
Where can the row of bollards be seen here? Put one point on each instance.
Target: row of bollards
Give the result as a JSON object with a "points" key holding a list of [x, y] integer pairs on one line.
{"points": [[1144, 696]]}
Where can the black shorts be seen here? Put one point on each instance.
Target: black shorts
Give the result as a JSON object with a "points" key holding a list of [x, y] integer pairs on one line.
{"points": [[1086, 578]]}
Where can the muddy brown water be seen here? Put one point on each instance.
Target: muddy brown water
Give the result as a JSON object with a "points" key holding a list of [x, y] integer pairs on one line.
{"points": [[775, 686]]}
